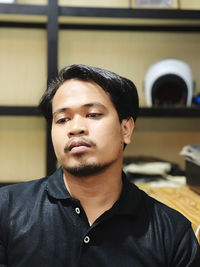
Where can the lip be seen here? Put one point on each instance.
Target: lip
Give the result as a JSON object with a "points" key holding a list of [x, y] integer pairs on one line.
{"points": [[78, 146], [79, 149]]}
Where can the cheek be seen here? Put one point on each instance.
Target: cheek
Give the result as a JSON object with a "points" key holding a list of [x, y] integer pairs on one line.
{"points": [[108, 135], [57, 139]]}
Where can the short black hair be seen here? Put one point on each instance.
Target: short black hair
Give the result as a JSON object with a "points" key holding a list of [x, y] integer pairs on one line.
{"points": [[122, 91]]}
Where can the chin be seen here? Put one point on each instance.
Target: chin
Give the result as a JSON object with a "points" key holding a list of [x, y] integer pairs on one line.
{"points": [[85, 169]]}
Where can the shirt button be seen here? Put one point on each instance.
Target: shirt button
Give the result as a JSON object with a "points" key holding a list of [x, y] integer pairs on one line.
{"points": [[86, 239], [77, 210]]}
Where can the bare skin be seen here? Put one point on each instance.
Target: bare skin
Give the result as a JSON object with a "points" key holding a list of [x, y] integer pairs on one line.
{"points": [[86, 131]]}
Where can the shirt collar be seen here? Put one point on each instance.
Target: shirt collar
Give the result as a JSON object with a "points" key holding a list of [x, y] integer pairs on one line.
{"points": [[130, 199], [56, 186], [128, 203]]}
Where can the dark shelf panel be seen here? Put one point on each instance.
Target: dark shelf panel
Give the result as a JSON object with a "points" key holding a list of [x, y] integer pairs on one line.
{"points": [[144, 112], [103, 27], [149, 28], [19, 111], [129, 13], [101, 12], [23, 9], [30, 25], [169, 112]]}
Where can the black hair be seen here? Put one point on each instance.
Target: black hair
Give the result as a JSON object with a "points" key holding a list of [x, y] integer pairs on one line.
{"points": [[122, 91]]}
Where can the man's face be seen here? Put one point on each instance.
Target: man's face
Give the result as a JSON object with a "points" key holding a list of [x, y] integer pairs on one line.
{"points": [[86, 131]]}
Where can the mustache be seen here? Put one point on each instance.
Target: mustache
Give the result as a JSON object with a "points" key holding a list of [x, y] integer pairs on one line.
{"points": [[83, 139]]}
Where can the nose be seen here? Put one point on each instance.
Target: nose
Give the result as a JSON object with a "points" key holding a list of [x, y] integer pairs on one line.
{"points": [[77, 127]]}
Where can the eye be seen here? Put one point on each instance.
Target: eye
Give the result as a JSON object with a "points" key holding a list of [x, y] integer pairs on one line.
{"points": [[62, 120], [94, 115]]}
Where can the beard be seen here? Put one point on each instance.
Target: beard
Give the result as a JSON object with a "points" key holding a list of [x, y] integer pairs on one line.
{"points": [[87, 170]]}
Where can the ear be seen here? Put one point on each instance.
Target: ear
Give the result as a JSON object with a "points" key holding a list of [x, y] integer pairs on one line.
{"points": [[127, 127]]}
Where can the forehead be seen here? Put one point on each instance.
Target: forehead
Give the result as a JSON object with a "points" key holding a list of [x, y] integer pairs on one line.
{"points": [[73, 93]]}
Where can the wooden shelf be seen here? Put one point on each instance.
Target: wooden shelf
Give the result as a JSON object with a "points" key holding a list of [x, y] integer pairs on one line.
{"points": [[170, 112], [129, 13], [144, 112], [19, 111], [99, 12]]}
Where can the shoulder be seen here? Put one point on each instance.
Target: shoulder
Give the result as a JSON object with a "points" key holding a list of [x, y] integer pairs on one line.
{"points": [[17, 199], [24, 185], [21, 191], [19, 196], [156, 207], [161, 217], [171, 230], [164, 213], [180, 243]]}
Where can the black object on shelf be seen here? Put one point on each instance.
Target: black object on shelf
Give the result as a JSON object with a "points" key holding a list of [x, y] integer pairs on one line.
{"points": [[192, 173]]}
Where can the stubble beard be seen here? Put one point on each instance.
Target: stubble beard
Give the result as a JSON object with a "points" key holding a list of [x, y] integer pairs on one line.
{"points": [[85, 169]]}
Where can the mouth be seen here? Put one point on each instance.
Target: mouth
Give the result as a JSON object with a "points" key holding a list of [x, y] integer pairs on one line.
{"points": [[78, 146]]}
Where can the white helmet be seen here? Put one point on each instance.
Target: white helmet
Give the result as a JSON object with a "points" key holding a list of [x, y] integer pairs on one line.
{"points": [[169, 82]]}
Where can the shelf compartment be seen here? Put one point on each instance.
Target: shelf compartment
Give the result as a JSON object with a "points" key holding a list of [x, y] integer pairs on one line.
{"points": [[19, 111]]}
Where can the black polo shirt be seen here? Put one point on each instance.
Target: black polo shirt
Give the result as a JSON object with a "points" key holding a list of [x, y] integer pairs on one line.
{"points": [[41, 225]]}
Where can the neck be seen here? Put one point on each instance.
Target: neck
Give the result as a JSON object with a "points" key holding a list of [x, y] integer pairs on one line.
{"points": [[96, 193]]}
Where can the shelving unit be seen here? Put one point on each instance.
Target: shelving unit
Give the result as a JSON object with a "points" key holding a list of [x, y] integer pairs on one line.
{"points": [[52, 11]]}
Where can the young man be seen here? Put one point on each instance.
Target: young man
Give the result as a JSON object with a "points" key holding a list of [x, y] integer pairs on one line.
{"points": [[87, 213]]}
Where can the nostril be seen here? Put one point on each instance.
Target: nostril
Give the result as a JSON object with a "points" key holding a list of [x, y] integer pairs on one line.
{"points": [[80, 132]]}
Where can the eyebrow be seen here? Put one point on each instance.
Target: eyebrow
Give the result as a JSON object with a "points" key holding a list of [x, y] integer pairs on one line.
{"points": [[88, 105]]}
